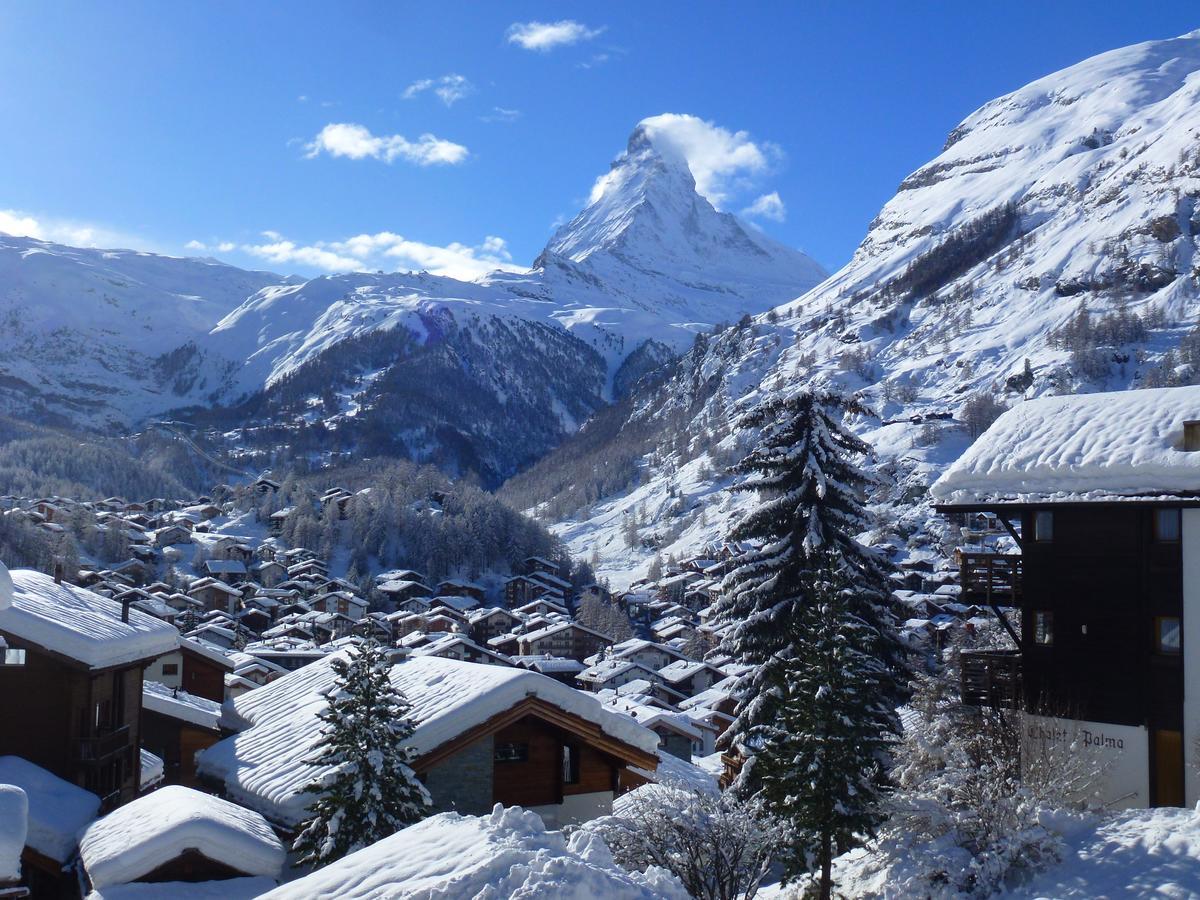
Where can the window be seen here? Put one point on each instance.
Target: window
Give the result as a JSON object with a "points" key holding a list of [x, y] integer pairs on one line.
{"points": [[1166, 525], [512, 752], [1043, 627], [14, 656], [1168, 635], [170, 668], [1191, 435], [570, 764], [1043, 525]]}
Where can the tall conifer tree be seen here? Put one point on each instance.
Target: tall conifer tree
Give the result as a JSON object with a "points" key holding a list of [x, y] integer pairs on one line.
{"points": [[370, 792]]}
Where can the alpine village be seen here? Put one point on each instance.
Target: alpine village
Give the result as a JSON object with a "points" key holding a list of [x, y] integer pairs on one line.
{"points": [[670, 566]]}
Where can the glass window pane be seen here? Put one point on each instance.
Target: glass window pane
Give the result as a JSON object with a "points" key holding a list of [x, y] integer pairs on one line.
{"points": [[1169, 635], [1043, 526], [1166, 524], [1043, 627]]}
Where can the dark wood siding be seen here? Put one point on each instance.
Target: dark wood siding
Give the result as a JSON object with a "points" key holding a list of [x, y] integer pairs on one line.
{"points": [[1104, 578]]}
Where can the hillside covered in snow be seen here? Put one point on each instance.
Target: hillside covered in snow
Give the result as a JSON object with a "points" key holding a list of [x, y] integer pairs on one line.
{"points": [[1049, 249]]}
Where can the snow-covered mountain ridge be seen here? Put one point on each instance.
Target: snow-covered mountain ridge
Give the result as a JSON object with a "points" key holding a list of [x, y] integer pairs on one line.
{"points": [[1078, 191], [98, 337]]}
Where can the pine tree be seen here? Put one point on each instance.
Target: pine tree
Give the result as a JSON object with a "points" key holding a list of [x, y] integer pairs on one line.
{"points": [[368, 791], [813, 507], [822, 762]]}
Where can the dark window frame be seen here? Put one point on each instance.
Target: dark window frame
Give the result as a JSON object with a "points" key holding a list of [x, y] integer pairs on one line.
{"points": [[1159, 648], [570, 764], [511, 752]]}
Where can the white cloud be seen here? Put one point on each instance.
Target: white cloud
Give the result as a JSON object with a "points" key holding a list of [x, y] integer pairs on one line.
{"points": [[449, 88], [218, 247], [768, 206], [65, 231], [356, 142], [723, 162], [386, 250], [545, 36], [500, 114]]}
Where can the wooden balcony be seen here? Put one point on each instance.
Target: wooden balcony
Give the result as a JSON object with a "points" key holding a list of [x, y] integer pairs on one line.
{"points": [[990, 578], [99, 747], [991, 678]]}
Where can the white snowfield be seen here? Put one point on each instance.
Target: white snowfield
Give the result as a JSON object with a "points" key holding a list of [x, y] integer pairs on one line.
{"points": [[58, 810], [1098, 160], [263, 767], [14, 822], [137, 838], [1091, 446], [81, 624], [507, 854]]}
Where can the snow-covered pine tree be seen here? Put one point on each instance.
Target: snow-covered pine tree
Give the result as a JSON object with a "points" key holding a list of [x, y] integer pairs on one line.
{"points": [[813, 494], [368, 791], [822, 762]]}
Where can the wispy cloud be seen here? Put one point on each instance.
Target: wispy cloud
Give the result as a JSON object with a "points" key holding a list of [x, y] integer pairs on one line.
{"points": [[449, 88], [215, 247], [353, 141], [386, 250], [66, 231], [768, 206], [500, 114], [544, 36], [723, 162], [597, 59]]}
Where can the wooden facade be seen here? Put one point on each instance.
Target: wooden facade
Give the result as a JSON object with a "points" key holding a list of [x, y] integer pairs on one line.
{"points": [[1099, 585], [82, 725]]}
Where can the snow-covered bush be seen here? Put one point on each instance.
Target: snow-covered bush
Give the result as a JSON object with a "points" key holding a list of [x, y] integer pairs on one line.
{"points": [[971, 813], [719, 846]]}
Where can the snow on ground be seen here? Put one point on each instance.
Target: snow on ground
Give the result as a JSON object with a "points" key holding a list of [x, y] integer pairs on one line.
{"points": [[1127, 442], [14, 821], [142, 835], [264, 765], [507, 854], [80, 624], [1120, 856], [58, 810]]}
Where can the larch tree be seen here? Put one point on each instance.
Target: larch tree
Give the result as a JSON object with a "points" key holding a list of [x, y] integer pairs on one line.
{"points": [[367, 790]]}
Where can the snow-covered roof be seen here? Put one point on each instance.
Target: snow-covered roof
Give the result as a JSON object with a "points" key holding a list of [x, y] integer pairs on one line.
{"points": [[179, 704], [680, 773], [152, 769], [1083, 447], [142, 835], [78, 623], [263, 766], [507, 854], [57, 808], [14, 820]]}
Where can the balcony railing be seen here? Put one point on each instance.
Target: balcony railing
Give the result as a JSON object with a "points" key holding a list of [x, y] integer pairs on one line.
{"points": [[990, 578], [991, 678], [98, 747]]}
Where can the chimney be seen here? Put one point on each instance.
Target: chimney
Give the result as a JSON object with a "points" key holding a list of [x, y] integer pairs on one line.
{"points": [[125, 601], [58, 572]]}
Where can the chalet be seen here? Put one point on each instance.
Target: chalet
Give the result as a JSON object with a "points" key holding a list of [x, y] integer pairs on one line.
{"points": [[338, 500], [458, 646], [690, 677], [278, 519], [56, 812], [215, 595], [399, 590], [460, 604], [557, 667], [521, 589], [172, 535], [453, 587], [341, 602], [179, 835], [563, 639], [1101, 494], [270, 573], [484, 735], [175, 726], [489, 623], [264, 485], [535, 564], [72, 678], [541, 607], [613, 673], [649, 654]]}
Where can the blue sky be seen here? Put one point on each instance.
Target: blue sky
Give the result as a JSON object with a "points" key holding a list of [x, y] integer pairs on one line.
{"points": [[204, 127]]}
